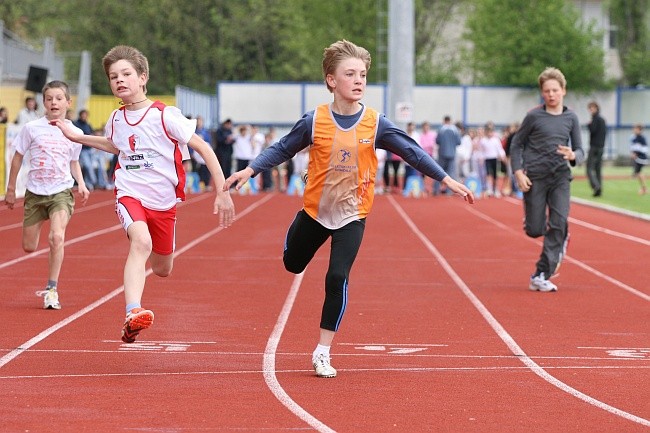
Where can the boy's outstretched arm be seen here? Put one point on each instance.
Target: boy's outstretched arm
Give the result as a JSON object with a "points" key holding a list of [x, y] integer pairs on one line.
{"points": [[239, 179], [95, 141], [223, 204], [459, 189]]}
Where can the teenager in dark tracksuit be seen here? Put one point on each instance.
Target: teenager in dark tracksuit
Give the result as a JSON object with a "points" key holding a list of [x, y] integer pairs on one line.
{"points": [[597, 133], [342, 138], [548, 138]]}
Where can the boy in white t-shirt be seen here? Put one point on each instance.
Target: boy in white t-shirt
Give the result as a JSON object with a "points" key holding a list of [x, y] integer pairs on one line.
{"points": [[151, 141], [53, 168]]}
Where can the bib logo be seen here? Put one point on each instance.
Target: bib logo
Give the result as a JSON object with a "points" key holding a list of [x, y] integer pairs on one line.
{"points": [[343, 155], [133, 141], [364, 141]]}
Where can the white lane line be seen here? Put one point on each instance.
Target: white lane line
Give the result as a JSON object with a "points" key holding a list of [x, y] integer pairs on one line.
{"points": [[269, 361], [77, 210], [84, 237], [597, 227], [626, 359], [503, 334], [65, 244], [568, 258], [52, 329], [290, 371]]}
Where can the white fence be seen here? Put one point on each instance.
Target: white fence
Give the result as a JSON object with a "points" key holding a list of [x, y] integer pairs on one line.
{"points": [[281, 104]]}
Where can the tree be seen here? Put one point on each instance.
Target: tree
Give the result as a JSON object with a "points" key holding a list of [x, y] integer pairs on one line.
{"points": [[513, 41], [197, 43], [631, 17], [431, 19]]}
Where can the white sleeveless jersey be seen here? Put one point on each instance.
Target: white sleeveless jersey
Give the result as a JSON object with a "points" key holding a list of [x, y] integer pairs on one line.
{"points": [[152, 144]]}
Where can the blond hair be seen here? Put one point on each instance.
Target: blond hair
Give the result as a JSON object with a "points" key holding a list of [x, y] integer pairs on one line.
{"points": [[551, 73], [339, 51], [56, 84], [131, 55]]}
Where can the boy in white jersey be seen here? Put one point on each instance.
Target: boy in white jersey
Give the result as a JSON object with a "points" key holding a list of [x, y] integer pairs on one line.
{"points": [[341, 138], [150, 140], [54, 162]]}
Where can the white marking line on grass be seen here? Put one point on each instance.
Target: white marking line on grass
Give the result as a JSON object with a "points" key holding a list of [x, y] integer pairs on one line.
{"points": [[52, 329], [269, 361], [349, 370], [503, 334], [568, 258]]}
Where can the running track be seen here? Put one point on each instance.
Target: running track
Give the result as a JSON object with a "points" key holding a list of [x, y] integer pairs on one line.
{"points": [[441, 333]]}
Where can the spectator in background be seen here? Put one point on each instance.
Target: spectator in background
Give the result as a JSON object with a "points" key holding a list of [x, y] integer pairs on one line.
{"points": [[86, 155], [597, 134], [243, 147], [29, 112], [4, 115], [200, 166], [428, 144], [639, 150], [448, 139], [464, 153], [512, 130], [493, 152], [223, 146], [415, 135]]}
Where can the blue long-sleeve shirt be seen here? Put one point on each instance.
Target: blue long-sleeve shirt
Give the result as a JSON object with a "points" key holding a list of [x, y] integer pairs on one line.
{"points": [[389, 137]]}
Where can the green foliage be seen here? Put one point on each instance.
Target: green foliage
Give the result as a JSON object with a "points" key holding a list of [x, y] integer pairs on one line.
{"points": [[631, 18], [513, 41], [197, 43], [200, 42]]}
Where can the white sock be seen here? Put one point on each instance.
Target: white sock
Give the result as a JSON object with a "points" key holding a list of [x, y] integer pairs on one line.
{"points": [[320, 349]]}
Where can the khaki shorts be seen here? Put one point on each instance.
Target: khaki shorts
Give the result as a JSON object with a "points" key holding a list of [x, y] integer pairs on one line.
{"points": [[39, 207]]}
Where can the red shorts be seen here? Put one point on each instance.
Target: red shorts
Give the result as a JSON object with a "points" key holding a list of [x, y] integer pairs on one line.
{"points": [[161, 224]]}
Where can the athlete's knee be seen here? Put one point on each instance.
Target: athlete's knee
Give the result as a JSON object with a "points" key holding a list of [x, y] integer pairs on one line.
{"points": [[29, 247], [56, 239], [293, 266], [534, 232], [335, 280], [140, 244], [162, 265], [162, 269]]}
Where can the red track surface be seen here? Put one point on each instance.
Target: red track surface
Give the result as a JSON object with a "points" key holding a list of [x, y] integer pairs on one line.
{"points": [[441, 333]]}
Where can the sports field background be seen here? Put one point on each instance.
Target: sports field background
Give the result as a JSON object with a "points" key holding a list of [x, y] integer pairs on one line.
{"points": [[620, 189]]}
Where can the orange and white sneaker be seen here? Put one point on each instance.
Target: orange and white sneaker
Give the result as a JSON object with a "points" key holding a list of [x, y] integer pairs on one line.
{"points": [[137, 320]]}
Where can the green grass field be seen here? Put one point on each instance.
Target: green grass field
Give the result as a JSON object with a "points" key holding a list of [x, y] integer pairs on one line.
{"points": [[620, 189]]}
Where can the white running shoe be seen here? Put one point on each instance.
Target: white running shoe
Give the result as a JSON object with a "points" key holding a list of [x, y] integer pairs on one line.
{"points": [[565, 247], [304, 175], [323, 367], [540, 284], [50, 299]]}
